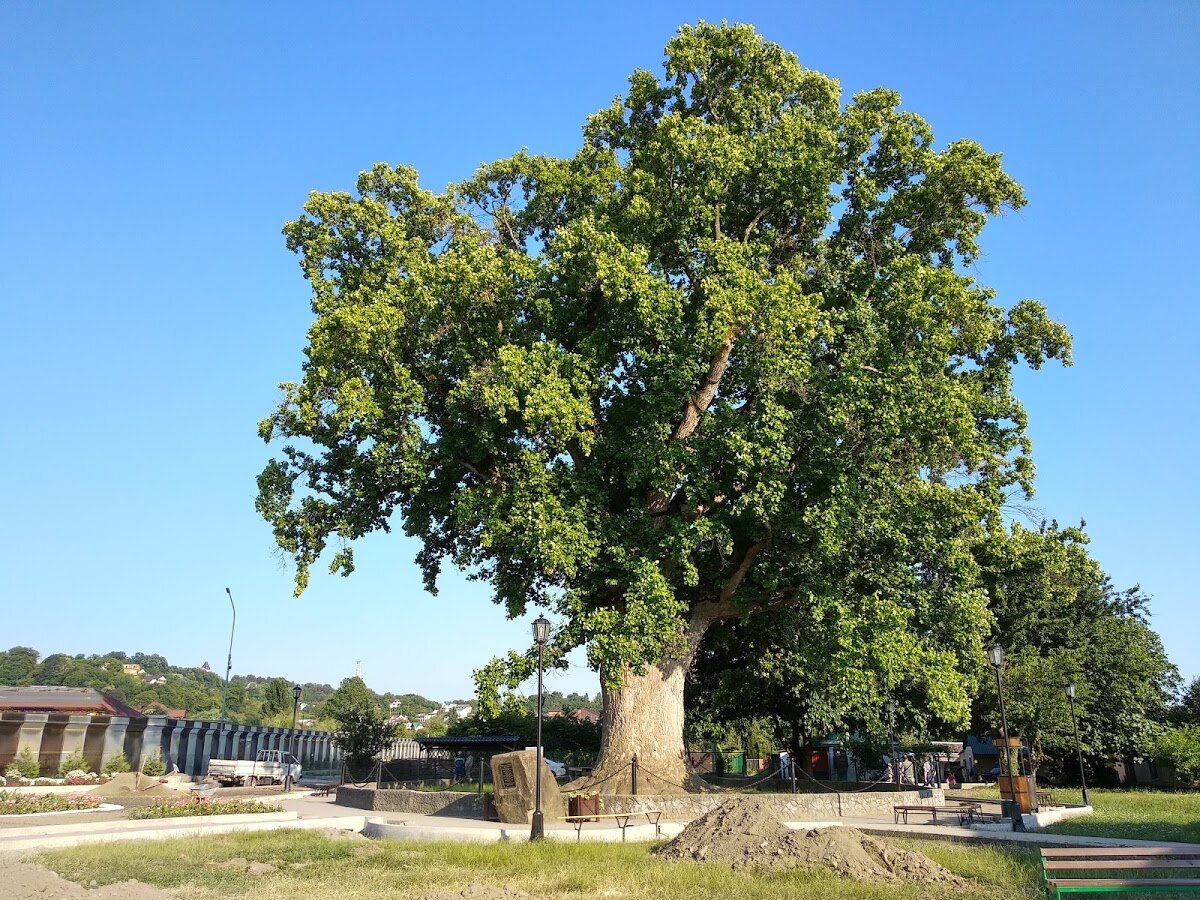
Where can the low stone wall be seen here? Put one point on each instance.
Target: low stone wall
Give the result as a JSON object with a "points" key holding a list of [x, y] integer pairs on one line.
{"points": [[683, 807], [791, 807], [423, 803]]}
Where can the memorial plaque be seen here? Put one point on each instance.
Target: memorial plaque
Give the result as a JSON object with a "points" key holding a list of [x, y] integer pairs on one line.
{"points": [[513, 787]]}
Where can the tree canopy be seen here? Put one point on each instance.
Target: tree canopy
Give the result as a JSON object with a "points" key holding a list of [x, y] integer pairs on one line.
{"points": [[729, 355], [362, 728]]}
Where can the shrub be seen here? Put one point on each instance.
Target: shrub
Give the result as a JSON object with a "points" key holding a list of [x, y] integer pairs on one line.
{"points": [[154, 765], [116, 764], [201, 806], [25, 764], [1179, 748], [73, 763]]}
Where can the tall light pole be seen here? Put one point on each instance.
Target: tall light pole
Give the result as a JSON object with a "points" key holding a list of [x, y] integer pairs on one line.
{"points": [[229, 660], [890, 708], [1078, 747], [295, 752], [996, 658], [541, 632]]}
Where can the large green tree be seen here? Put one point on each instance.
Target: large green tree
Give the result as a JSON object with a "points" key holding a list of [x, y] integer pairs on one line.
{"points": [[362, 727], [684, 373], [1062, 620]]}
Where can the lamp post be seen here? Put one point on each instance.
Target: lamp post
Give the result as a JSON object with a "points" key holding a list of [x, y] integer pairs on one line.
{"points": [[996, 658], [295, 706], [890, 708], [1078, 747], [229, 660], [541, 631]]}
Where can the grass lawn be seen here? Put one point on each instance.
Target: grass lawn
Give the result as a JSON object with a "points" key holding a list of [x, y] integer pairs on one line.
{"points": [[310, 865], [1144, 815]]}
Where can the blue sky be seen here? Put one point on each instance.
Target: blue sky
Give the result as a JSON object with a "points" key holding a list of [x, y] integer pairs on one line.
{"points": [[151, 152]]}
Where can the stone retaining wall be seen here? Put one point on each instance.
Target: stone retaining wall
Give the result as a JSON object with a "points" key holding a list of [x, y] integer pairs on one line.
{"points": [[424, 803], [187, 743], [684, 807]]}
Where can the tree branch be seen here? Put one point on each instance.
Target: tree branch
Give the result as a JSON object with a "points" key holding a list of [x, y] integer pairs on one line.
{"points": [[753, 224], [700, 400], [743, 568]]}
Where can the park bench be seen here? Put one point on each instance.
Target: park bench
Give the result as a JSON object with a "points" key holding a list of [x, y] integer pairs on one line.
{"points": [[622, 820], [1045, 798], [1132, 862], [965, 811], [325, 788]]}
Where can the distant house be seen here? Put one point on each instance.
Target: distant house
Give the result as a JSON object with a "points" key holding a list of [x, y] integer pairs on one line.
{"points": [[72, 701], [154, 708], [579, 715], [205, 667], [133, 670], [154, 679]]}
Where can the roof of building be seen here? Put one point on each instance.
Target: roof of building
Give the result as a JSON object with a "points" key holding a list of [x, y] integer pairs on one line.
{"points": [[497, 743], [75, 701]]}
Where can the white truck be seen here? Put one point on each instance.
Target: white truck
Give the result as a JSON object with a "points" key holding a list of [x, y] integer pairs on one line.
{"points": [[269, 767]]}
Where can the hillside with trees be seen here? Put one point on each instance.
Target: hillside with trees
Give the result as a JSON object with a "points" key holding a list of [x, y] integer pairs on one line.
{"points": [[160, 687]]}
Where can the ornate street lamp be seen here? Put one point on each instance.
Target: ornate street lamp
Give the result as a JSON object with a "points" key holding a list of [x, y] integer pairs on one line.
{"points": [[229, 661], [541, 632], [996, 658], [1078, 747], [890, 708]]}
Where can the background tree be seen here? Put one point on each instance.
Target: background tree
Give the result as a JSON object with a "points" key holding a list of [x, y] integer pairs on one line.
{"points": [[17, 665], [1187, 710], [362, 727], [1061, 619], [277, 697], [690, 371]]}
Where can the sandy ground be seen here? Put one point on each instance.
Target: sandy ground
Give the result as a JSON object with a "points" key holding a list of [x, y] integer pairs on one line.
{"points": [[25, 881]]}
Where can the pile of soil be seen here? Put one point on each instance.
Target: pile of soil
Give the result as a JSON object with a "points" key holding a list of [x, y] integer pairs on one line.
{"points": [[25, 881], [130, 784], [747, 831]]}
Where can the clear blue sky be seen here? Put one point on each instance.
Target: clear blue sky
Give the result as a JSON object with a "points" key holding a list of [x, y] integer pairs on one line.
{"points": [[150, 153]]}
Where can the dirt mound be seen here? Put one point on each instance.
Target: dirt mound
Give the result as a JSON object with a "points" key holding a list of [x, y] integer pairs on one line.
{"points": [[25, 881], [748, 832], [477, 891], [131, 784]]}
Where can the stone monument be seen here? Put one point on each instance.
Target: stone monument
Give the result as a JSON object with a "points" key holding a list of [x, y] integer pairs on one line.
{"points": [[513, 788]]}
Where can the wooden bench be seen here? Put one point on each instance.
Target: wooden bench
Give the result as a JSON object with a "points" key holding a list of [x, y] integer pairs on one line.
{"points": [[325, 789], [1045, 798], [965, 811], [622, 820], [1118, 859]]}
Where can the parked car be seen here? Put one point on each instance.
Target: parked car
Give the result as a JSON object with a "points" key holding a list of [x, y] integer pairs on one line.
{"points": [[559, 769]]}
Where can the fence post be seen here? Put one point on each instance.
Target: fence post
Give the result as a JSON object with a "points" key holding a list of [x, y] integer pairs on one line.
{"points": [[633, 767], [792, 770], [379, 775]]}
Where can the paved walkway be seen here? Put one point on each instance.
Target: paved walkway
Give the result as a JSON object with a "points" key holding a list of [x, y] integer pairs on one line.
{"points": [[304, 810]]}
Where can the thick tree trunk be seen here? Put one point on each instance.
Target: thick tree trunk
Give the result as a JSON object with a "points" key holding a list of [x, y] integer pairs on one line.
{"points": [[644, 717]]}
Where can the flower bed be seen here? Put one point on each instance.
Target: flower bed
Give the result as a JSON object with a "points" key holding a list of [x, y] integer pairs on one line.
{"points": [[14, 804], [201, 806]]}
